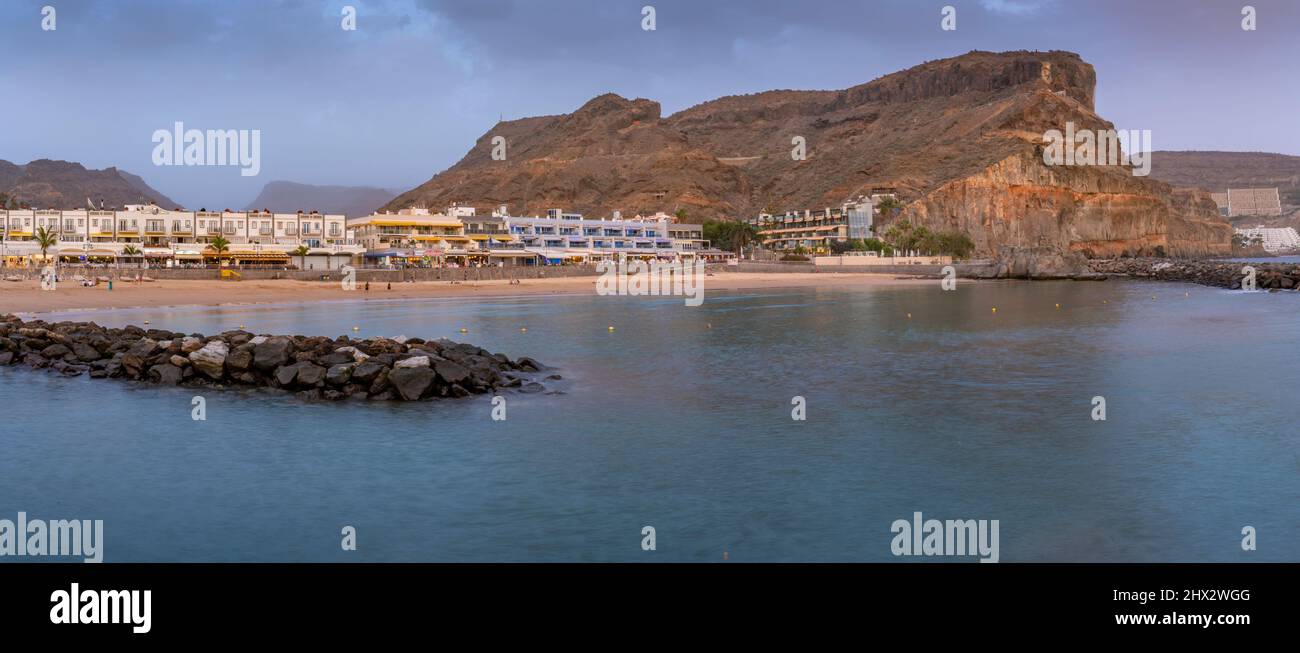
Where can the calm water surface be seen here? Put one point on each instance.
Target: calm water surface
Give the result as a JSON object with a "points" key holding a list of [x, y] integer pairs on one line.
{"points": [[680, 419]]}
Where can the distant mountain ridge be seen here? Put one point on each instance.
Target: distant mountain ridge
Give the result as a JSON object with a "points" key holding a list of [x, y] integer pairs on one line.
{"points": [[1218, 171], [352, 201], [51, 184]]}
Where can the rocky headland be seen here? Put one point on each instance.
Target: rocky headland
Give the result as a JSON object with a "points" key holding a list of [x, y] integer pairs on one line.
{"points": [[959, 141], [312, 367], [1040, 263]]}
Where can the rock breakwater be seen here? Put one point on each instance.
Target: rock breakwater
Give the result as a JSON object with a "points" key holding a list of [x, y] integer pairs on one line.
{"points": [[312, 367], [1206, 272]]}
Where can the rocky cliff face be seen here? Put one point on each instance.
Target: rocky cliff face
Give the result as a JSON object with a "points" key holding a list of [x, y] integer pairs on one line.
{"points": [[959, 139]]}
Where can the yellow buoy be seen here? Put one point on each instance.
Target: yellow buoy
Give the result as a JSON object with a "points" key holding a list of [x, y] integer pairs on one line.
{"points": [[464, 330], [1105, 301], [995, 309], [356, 328], [611, 328], [146, 321], [1058, 305], [909, 316], [241, 326], [523, 329]]}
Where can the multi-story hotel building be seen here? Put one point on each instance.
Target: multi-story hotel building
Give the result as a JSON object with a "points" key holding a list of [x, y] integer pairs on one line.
{"points": [[166, 238], [815, 229], [460, 235], [415, 236]]}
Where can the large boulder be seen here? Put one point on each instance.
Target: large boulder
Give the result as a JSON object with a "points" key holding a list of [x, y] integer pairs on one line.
{"points": [[211, 359], [85, 352], [240, 359], [272, 353], [285, 375], [55, 351], [357, 355], [166, 374], [366, 372], [451, 372], [414, 361], [134, 359], [411, 382], [339, 374], [310, 375]]}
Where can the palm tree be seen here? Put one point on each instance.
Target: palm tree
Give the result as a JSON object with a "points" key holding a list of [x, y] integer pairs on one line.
{"points": [[220, 246], [130, 251], [45, 239], [301, 252]]}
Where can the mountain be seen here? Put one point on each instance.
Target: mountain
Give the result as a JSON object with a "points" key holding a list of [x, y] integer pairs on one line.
{"points": [[49, 184], [1217, 171], [352, 201], [960, 139]]}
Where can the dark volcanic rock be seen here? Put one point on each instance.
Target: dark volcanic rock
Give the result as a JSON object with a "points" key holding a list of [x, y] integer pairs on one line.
{"points": [[272, 353], [310, 375], [86, 352], [1206, 272], [285, 375], [367, 372], [314, 368], [450, 372], [55, 351], [166, 374], [339, 374], [241, 359], [411, 382]]}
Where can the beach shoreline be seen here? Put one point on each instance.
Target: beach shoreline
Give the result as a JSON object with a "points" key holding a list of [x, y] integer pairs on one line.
{"points": [[27, 297]]}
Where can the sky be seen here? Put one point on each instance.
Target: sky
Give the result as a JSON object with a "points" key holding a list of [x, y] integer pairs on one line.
{"points": [[407, 93]]}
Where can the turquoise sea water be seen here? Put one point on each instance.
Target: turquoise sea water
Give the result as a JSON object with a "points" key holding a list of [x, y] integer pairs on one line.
{"points": [[681, 419]]}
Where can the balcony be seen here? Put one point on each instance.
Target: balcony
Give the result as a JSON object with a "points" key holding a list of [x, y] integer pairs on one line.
{"points": [[264, 231], [291, 231], [229, 230]]}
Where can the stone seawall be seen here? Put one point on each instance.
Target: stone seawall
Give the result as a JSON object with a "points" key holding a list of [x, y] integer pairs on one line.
{"points": [[312, 367], [1218, 273]]}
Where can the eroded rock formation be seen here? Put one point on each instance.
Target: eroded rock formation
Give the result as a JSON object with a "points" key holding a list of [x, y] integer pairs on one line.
{"points": [[959, 139]]}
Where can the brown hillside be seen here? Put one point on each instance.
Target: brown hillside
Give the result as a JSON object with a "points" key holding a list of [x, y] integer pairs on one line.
{"points": [[49, 184], [957, 137]]}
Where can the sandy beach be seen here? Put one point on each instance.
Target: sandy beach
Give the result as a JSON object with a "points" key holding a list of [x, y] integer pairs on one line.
{"points": [[26, 297]]}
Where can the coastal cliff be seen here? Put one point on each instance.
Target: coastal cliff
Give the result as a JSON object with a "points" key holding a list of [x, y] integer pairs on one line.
{"points": [[959, 140]]}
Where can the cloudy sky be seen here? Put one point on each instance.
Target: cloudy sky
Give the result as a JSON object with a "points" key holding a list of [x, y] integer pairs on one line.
{"points": [[407, 93]]}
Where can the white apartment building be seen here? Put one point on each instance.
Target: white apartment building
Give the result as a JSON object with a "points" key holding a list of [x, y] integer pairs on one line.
{"points": [[1275, 240], [165, 238], [416, 236], [569, 237]]}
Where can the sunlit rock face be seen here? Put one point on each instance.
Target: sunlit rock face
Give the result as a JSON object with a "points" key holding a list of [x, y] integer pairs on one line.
{"points": [[960, 140]]}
